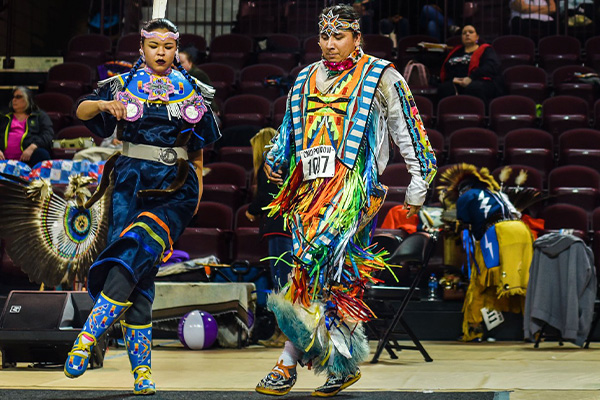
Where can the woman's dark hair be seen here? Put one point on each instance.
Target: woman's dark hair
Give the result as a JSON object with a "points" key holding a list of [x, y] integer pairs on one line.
{"points": [[152, 25], [191, 52], [28, 96]]}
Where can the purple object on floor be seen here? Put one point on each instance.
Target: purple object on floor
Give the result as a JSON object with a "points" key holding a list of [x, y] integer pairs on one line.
{"points": [[197, 330]]}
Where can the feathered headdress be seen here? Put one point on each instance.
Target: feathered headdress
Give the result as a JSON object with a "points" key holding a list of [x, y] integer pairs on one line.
{"points": [[521, 197], [159, 9], [452, 178]]}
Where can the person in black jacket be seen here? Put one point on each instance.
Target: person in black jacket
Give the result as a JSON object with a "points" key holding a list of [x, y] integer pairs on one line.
{"points": [[27, 131], [271, 228], [472, 69]]}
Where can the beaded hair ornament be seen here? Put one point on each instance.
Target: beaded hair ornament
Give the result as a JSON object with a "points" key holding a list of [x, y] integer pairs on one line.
{"points": [[160, 35], [332, 24]]}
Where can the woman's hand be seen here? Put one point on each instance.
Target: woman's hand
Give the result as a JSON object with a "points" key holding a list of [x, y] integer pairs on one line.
{"points": [[113, 107], [2, 155], [26, 156], [464, 82]]}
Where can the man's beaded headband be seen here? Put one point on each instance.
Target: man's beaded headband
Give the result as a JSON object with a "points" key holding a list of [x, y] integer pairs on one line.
{"points": [[331, 24], [160, 35]]}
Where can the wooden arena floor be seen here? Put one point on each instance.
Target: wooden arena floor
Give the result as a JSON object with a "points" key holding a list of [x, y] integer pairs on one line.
{"points": [[551, 372]]}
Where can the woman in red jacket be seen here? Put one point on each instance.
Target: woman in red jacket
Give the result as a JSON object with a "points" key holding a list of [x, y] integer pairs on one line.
{"points": [[472, 69]]}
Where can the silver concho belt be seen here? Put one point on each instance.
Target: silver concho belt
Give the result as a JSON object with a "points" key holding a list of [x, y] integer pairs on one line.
{"points": [[165, 155]]}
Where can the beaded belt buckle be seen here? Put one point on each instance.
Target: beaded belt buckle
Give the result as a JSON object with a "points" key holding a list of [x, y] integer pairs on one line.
{"points": [[167, 156]]}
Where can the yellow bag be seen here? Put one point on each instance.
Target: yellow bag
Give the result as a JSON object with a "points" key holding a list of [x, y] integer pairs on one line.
{"points": [[75, 143]]}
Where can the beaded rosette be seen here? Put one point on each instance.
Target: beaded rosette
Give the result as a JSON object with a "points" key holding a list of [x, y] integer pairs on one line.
{"points": [[172, 91], [134, 107], [193, 109]]}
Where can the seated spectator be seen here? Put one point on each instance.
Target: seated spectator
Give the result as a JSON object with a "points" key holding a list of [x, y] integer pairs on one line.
{"points": [[472, 69], [187, 57], [532, 18], [271, 228], [27, 130], [432, 19]]}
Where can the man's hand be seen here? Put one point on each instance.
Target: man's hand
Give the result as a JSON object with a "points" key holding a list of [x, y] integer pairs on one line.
{"points": [[412, 210], [273, 176]]}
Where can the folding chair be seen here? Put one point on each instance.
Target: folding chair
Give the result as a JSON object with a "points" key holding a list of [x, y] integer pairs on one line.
{"points": [[415, 250]]}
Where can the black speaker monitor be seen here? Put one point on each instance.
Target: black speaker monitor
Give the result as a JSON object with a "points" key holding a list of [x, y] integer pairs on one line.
{"points": [[42, 326]]}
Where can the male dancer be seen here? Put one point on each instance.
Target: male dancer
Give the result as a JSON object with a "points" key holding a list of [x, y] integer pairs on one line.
{"points": [[334, 137]]}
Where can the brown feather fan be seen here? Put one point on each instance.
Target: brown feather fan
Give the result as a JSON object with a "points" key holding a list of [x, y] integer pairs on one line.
{"points": [[52, 238]]}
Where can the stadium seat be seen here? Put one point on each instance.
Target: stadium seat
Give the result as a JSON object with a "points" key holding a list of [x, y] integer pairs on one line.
{"points": [[378, 46], [222, 78], [565, 82], [91, 49], [425, 107], [462, 111], [557, 51], [128, 47], [213, 215], [232, 49], [528, 81], [282, 50], [531, 147], [397, 178], [58, 106], [580, 147], [576, 185], [256, 79], [196, 41], [73, 79], [511, 112], [279, 106], [561, 113], [592, 52], [514, 50], [311, 51], [246, 109], [477, 146], [565, 216], [241, 156]]}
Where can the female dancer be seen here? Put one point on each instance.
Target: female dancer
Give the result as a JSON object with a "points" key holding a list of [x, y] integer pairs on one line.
{"points": [[163, 118]]}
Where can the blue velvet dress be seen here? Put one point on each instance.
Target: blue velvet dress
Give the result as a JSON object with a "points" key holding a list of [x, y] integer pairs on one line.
{"points": [[143, 229]]}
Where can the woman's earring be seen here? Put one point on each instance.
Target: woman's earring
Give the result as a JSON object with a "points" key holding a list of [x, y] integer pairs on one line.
{"points": [[177, 57], [142, 55]]}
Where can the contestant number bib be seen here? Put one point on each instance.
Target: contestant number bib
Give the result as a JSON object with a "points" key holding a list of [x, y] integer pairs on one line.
{"points": [[318, 162]]}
